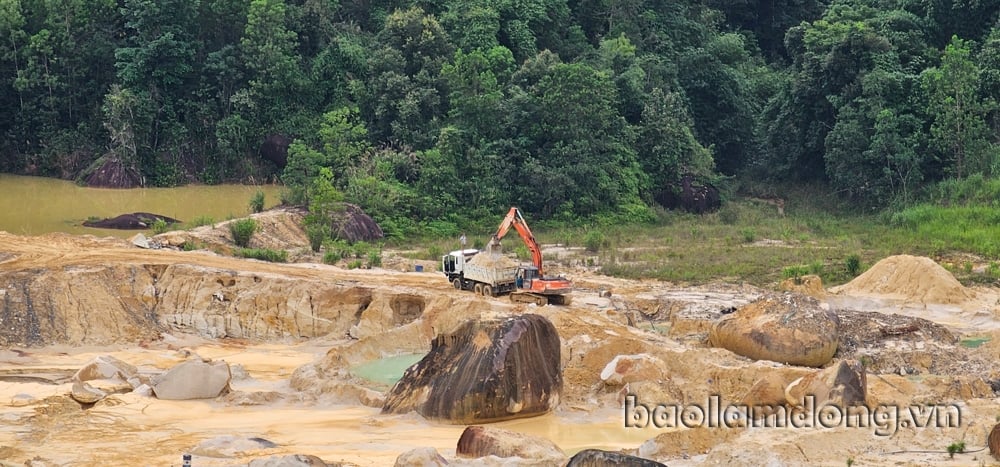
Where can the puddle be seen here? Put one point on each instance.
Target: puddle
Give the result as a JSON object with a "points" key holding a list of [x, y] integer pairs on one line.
{"points": [[974, 342], [386, 371]]}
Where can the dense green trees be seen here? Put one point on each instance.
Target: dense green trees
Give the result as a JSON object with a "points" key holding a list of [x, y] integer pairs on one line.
{"points": [[461, 108]]}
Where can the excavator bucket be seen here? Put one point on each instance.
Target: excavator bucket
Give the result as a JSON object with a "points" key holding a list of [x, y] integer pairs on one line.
{"points": [[493, 247]]}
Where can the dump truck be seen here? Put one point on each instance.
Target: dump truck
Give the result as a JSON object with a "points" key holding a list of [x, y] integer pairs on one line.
{"points": [[490, 273], [474, 270]]}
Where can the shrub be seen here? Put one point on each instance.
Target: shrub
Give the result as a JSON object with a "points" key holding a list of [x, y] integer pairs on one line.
{"points": [[331, 257], [853, 265], [958, 446], [816, 267], [361, 249], [354, 264], [729, 214], [317, 234], [263, 254], [795, 273], [749, 235], [159, 226], [375, 258], [243, 230], [337, 248], [257, 201], [593, 241]]}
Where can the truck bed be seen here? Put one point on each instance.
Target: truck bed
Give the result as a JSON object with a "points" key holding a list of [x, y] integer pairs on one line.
{"points": [[493, 276]]}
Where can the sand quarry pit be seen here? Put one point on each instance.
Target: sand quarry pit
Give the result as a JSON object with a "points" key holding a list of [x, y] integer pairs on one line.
{"points": [[294, 333]]}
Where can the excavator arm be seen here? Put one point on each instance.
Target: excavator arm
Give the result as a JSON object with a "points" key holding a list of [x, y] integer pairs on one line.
{"points": [[516, 220]]}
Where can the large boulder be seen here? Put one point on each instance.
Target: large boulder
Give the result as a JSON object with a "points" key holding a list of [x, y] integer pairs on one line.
{"points": [[133, 221], [790, 328], [599, 458], [481, 441], [353, 225], [193, 379], [487, 370]]}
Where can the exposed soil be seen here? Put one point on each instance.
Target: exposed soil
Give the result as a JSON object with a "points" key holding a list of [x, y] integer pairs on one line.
{"points": [[293, 331]]}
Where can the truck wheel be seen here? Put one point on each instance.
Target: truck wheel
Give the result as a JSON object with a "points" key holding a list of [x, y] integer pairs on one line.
{"points": [[487, 291], [457, 283], [478, 289]]}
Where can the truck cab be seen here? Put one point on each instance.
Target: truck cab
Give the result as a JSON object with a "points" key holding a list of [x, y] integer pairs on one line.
{"points": [[453, 264]]}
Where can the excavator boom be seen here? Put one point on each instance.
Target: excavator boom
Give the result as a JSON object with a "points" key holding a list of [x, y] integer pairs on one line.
{"points": [[516, 220]]}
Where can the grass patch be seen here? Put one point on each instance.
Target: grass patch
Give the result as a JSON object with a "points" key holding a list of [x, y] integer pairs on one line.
{"points": [[202, 220], [749, 241], [263, 254]]}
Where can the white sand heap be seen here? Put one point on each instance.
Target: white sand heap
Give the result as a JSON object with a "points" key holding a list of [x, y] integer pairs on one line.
{"points": [[913, 279]]}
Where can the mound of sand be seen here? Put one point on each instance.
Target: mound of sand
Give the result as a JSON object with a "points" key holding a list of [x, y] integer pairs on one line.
{"points": [[912, 279], [488, 260]]}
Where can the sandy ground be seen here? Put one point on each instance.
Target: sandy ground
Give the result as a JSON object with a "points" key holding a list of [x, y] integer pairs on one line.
{"points": [[128, 429], [38, 421]]}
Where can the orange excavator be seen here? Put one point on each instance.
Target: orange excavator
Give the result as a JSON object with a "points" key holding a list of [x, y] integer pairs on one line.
{"points": [[532, 285]]}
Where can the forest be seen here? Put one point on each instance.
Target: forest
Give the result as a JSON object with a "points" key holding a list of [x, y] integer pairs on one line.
{"points": [[457, 109]]}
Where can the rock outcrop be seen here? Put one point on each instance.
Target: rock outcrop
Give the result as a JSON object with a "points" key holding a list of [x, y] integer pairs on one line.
{"points": [[790, 328], [488, 370]]}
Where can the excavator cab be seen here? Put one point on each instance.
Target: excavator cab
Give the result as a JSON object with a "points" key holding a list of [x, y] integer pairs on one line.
{"points": [[526, 275]]}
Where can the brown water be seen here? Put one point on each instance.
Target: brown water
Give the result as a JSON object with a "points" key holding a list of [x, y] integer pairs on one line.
{"points": [[36, 205]]}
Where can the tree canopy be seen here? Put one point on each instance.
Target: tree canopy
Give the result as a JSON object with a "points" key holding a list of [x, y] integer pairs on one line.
{"points": [[566, 108]]}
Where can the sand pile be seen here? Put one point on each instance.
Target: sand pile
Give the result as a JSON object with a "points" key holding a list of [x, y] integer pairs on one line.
{"points": [[913, 279], [488, 260]]}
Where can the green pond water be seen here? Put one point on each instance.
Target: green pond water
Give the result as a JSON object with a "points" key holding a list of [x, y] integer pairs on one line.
{"points": [[37, 205], [386, 370], [974, 342]]}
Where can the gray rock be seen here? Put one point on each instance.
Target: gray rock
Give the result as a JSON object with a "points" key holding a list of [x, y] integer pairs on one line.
{"points": [[85, 393], [483, 441], [421, 457], [22, 400], [599, 458], [843, 384], [106, 367], [140, 241], [231, 446], [193, 379], [296, 460]]}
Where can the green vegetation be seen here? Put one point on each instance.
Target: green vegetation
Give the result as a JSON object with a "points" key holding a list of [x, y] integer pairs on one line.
{"points": [[263, 254], [257, 202], [202, 220], [242, 230], [159, 226], [956, 447], [593, 241], [595, 122]]}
